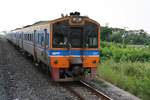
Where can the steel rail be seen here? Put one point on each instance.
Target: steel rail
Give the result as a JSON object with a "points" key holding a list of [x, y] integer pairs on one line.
{"points": [[79, 96], [98, 93]]}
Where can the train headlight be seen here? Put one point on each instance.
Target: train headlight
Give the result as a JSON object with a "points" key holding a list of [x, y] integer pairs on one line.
{"points": [[80, 19], [74, 19]]}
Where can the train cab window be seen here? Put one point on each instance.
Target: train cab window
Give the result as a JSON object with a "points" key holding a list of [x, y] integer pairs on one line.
{"points": [[60, 35], [75, 37], [92, 40], [91, 36], [59, 40], [83, 36]]}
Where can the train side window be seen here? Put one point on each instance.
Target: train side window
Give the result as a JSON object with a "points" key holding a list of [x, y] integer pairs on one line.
{"points": [[38, 38], [24, 36], [46, 37], [41, 39], [29, 37]]}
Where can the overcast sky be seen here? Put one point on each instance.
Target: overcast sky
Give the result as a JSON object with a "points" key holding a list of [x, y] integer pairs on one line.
{"points": [[134, 14]]}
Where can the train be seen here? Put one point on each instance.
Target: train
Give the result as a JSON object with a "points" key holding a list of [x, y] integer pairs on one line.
{"points": [[67, 46]]}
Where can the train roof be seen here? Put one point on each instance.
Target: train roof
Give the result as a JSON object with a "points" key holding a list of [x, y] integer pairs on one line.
{"points": [[59, 19], [40, 22]]}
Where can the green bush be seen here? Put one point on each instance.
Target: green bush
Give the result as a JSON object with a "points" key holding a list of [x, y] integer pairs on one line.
{"points": [[130, 76], [127, 67], [121, 53]]}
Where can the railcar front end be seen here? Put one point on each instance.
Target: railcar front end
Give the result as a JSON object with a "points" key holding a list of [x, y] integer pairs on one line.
{"points": [[74, 52]]}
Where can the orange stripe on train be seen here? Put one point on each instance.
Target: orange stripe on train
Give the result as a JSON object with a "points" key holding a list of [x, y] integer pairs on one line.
{"points": [[64, 62]]}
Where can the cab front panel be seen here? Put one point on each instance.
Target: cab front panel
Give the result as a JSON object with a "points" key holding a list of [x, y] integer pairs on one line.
{"points": [[74, 52]]}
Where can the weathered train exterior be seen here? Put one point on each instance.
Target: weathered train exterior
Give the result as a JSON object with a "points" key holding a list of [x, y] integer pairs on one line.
{"points": [[68, 46]]}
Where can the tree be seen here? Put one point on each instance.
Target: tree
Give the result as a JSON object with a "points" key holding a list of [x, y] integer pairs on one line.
{"points": [[105, 33]]}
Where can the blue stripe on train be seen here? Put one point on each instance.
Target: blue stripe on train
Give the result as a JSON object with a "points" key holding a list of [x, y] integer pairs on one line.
{"points": [[73, 52]]}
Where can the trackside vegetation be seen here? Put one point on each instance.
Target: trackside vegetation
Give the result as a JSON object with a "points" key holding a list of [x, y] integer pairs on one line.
{"points": [[127, 66]]}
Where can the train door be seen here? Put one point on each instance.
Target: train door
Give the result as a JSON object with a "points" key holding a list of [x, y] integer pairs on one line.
{"points": [[46, 38], [18, 38], [34, 45], [22, 40]]}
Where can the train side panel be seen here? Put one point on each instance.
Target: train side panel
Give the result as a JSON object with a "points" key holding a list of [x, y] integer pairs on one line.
{"points": [[42, 42]]}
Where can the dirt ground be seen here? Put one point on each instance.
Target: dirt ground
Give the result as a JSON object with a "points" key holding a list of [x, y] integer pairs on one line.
{"points": [[21, 80]]}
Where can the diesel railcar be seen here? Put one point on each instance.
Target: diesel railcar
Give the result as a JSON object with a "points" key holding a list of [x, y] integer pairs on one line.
{"points": [[68, 46]]}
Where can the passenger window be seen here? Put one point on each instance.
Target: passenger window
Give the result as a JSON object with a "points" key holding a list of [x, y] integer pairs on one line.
{"points": [[42, 40], [46, 37], [27, 36], [38, 38], [31, 37]]}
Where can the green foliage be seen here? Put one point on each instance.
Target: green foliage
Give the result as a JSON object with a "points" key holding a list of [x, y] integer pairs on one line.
{"points": [[116, 37], [131, 76], [105, 33], [119, 35], [126, 66], [120, 52]]}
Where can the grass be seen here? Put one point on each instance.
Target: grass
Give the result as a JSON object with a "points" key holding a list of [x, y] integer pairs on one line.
{"points": [[130, 76]]}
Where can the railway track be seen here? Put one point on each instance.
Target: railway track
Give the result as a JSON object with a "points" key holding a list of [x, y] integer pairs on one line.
{"points": [[78, 95], [95, 91], [83, 91]]}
